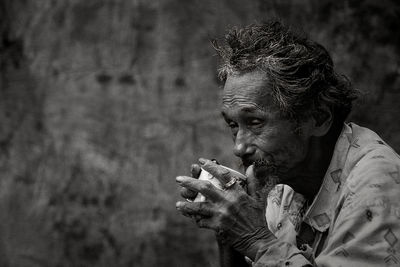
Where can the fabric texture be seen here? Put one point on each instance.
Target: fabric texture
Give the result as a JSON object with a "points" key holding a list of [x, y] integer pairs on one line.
{"points": [[355, 218]]}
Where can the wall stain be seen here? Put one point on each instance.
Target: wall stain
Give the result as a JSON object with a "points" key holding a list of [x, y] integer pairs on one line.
{"points": [[127, 79]]}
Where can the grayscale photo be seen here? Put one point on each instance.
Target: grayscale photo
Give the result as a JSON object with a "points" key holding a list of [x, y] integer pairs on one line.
{"points": [[199, 133]]}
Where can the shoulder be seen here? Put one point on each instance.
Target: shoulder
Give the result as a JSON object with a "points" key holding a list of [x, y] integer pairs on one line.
{"points": [[370, 160], [378, 166], [373, 179]]}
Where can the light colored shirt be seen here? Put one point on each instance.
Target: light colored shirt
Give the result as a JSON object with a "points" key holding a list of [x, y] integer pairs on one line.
{"points": [[355, 217]]}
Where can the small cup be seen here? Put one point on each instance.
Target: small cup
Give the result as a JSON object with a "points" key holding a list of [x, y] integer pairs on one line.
{"points": [[205, 175]]}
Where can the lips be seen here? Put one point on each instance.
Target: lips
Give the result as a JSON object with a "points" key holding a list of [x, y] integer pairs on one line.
{"points": [[263, 174], [247, 161], [262, 166]]}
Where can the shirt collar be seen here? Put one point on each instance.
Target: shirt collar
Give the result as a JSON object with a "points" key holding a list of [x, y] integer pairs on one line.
{"points": [[319, 215]]}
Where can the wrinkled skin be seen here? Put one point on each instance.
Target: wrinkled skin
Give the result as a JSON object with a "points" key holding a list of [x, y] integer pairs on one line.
{"points": [[223, 209], [290, 152]]}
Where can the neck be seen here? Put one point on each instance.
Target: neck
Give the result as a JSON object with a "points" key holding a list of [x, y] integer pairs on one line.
{"points": [[309, 176]]}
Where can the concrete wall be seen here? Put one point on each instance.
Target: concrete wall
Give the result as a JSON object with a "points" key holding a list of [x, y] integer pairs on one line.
{"points": [[104, 102]]}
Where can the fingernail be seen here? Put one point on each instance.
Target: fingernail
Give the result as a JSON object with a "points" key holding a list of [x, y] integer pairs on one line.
{"points": [[215, 161], [202, 161], [179, 179]]}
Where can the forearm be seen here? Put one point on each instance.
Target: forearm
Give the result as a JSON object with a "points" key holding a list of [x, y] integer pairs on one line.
{"points": [[233, 254], [249, 244]]}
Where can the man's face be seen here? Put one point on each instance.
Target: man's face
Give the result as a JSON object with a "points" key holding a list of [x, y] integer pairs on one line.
{"points": [[259, 131]]}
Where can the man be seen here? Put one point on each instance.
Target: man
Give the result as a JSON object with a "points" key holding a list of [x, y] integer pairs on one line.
{"points": [[318, 192]]}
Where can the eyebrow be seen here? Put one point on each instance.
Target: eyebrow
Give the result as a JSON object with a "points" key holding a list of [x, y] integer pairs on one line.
{"points": [[246, 110], [250, 110]]}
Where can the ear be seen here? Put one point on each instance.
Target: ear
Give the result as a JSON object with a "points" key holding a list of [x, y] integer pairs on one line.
{"points": [[322, 119]]}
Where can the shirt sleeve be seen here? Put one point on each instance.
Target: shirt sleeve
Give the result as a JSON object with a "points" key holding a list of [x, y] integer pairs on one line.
{"points": [[283, 254]]}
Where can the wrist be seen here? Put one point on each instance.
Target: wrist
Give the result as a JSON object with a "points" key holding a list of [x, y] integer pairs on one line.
{"points": [[251, 243]]}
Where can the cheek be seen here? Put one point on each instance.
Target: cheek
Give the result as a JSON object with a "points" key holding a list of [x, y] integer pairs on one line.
{"points": [[294, 152], [269, 140], [287, 149], [272, 139]]}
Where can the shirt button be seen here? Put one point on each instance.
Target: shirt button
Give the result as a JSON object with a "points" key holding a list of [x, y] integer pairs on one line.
{"points": [[279, 226]]}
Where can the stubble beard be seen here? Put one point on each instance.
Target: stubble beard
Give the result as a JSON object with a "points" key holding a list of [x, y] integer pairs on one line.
{"points": [[266, 173]]}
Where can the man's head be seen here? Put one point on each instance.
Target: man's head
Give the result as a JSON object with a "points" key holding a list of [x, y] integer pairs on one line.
{"points": [[280, 94], [300, 71]]}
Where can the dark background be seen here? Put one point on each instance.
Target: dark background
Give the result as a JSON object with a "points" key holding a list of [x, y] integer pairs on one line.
{"points": [[104, 102]]}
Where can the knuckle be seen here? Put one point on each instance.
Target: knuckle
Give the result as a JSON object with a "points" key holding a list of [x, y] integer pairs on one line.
{"points": [[224, 220], [234, 204], [206, 185], [211, 167], [221, 170], [184, 190], [186, 193], [208, 164], [224, 212], [242, 197], [225, 174], [200, 206], [231, 208]]}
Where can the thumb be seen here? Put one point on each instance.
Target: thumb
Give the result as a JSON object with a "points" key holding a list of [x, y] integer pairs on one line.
{"points": [[252, 183]]}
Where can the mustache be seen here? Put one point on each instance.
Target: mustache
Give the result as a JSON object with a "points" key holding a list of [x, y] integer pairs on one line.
{"points": [[265, 172], [265, 169], [261, 164]]}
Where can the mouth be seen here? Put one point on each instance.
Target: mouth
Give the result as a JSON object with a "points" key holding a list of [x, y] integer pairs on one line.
{"points": [[248, 161], [262, 166], [268, 172]]}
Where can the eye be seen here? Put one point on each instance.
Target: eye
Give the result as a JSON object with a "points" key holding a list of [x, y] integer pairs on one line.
{"points": [[254, 122], [232, 124]]}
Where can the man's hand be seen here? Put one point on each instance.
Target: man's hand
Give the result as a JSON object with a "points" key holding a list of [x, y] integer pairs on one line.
{"points": [[195, 170], [237, 217]]}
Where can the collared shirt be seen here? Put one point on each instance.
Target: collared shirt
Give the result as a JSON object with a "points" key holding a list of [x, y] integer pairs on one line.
{"points": [[354, 218]]}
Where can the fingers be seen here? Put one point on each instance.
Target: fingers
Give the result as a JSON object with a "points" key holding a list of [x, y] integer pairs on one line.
{"points": [[194, 209], [195, 170], [204, 187], [206, 223], [201, 212], [252, 183], [223, 174], [187, 193], [219, 172], [250, 171]]}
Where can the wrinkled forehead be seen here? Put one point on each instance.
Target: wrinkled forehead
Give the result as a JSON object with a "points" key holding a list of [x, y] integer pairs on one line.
{"points": [[252, 87]]}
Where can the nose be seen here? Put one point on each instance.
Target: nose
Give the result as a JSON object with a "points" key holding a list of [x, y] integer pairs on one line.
{"points": [[243, 147]]}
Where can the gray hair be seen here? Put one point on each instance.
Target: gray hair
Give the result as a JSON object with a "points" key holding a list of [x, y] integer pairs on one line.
{"points": [[300, 70]]}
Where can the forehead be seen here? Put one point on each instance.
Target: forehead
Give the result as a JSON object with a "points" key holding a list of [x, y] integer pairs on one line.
{"points": [[251, 89]]}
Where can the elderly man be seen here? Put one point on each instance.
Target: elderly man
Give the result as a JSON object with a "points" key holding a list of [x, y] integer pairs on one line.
{"points": [[318, 191]]}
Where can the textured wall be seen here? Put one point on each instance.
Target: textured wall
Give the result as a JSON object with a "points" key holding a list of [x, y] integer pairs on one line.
{"points": [[104, 102]]}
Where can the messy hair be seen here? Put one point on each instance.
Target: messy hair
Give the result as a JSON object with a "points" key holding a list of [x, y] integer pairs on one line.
{"points": [[299, 70]]}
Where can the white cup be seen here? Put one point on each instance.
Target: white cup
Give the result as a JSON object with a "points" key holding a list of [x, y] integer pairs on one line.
{"points": [[205, 175]]}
